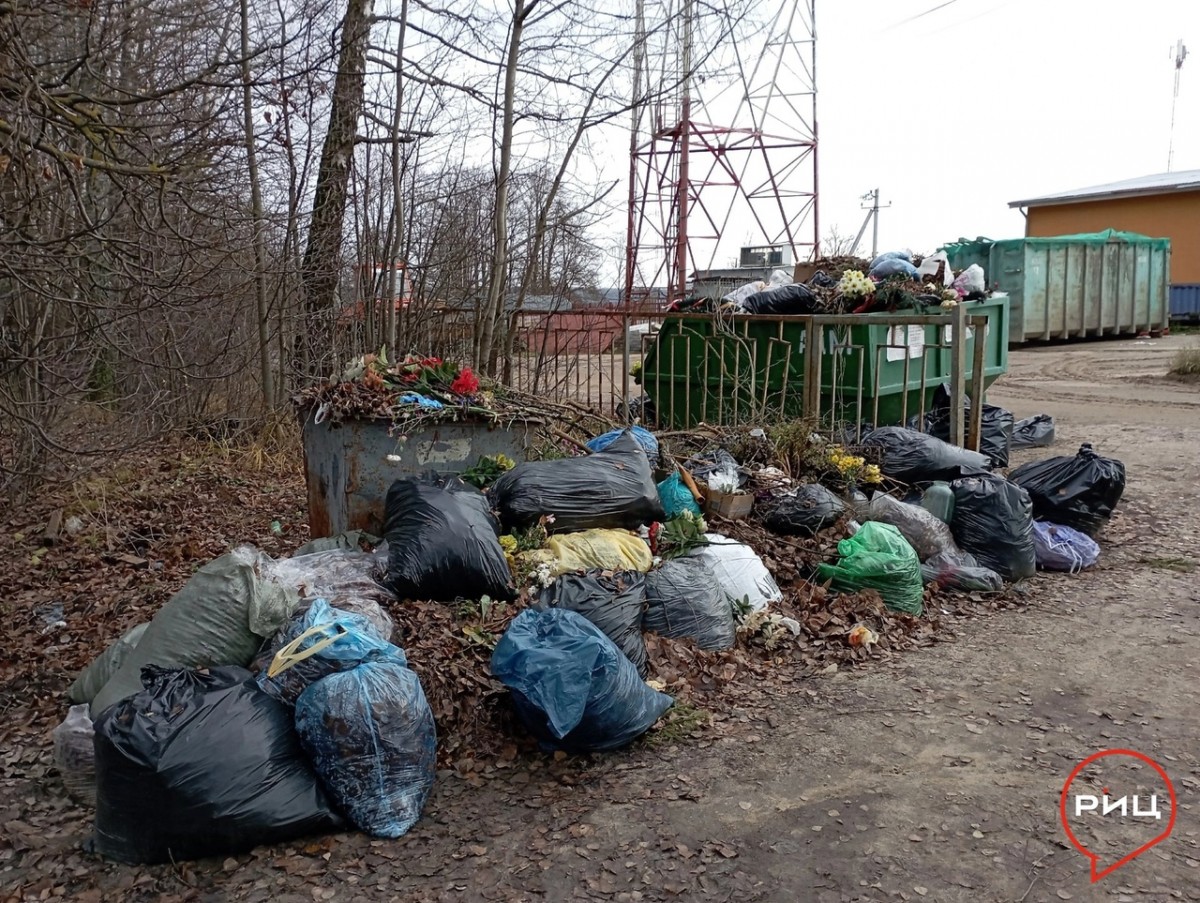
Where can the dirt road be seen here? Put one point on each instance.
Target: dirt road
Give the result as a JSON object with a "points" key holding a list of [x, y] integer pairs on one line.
{"points": [[935, 776]]}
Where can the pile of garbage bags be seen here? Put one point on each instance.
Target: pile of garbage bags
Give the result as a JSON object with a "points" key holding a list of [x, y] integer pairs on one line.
{"points": [[260, 714], [265, 700]]}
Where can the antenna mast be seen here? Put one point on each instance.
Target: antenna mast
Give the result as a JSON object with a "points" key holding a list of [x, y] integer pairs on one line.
{"points": [[1180, 56]]}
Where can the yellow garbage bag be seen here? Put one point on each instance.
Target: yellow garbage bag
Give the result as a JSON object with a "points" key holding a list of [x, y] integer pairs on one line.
{"points": [[609, 550]]}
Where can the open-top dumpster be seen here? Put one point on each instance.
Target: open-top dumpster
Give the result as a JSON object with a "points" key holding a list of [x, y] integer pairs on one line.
{"points": [[1075, 286], [724, 369], [349, 465]]}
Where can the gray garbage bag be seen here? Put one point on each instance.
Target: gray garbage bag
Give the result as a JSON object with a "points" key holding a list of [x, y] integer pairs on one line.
{"points": [[684, 599]]}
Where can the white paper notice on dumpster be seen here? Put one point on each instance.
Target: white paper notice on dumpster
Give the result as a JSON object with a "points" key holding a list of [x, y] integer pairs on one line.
{"points": [[948, 332], [912, 338]]}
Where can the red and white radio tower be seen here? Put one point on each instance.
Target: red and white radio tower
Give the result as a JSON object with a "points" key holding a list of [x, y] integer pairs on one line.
{"points": [[711, 153]]}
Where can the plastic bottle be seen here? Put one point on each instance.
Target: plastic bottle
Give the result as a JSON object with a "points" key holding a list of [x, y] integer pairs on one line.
{"points": [[74, 755], [938, 500]]}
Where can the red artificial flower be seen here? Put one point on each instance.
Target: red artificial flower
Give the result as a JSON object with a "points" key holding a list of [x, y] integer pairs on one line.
{"points": [[466, 383], [431, 362]]}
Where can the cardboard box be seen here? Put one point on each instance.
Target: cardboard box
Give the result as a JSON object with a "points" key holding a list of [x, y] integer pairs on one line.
{"points": [[729, 505]]}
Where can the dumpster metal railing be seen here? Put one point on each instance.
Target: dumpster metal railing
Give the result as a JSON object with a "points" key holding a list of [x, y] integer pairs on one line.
{"points": [[743, 382], [591, 358]]}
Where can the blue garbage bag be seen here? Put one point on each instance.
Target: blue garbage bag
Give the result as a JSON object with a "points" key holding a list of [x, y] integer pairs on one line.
{"points": [[893, 266], [644, 437], [1060, 548], [890, 255], [333, 641], [370, 735], [572, 687], [676, 497]]}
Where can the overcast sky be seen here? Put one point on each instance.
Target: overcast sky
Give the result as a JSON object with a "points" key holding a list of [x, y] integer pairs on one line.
{"points": [[954, 113]]}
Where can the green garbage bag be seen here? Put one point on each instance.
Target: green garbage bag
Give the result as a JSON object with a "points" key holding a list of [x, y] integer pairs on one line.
{"points": [[99, 672], [878, 557], [219, 617]]}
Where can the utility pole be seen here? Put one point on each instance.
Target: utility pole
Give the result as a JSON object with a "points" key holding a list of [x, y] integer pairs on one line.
{"points": [[1180, 56], [873, 218]]}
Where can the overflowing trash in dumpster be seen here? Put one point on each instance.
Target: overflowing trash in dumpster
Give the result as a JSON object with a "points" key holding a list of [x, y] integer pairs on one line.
{"points": [[566, 603]]}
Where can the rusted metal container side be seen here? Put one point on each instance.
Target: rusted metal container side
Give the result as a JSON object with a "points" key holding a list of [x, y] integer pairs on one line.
{"points": [[350, 466]]}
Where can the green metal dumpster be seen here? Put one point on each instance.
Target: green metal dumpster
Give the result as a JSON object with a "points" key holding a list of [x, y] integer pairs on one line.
{"points": [[1075, 286], [728, 370]]}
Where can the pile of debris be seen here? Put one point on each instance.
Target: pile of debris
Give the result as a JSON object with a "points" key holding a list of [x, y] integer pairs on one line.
{"points": [[566, 604], [893, 281]]}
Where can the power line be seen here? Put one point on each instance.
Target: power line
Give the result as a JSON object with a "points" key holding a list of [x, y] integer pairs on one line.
{"points": [[922, 15]]}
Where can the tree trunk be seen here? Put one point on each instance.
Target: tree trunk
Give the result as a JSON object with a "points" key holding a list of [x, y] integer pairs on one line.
{"points": [[493, 308], [262, 308], [322, 257]]}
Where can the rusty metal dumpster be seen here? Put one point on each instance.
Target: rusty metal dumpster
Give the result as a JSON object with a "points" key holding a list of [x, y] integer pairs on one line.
{"points": [[349, 465]]}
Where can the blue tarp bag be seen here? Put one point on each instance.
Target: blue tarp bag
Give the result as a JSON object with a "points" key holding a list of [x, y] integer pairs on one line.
{"points": [[370, 735], [573, 688], [1060, 548], [644, 437]]}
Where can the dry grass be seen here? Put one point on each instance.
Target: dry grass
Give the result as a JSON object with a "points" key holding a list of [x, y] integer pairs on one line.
{"points": [[1186, 363]]}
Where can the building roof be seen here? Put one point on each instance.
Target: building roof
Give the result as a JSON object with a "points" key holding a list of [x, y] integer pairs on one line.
{"points": [[1160, 183]]}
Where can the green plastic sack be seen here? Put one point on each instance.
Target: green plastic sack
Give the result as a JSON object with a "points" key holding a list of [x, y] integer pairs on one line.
{"points": [[878, 557], [219, 617], [676, 497], [93, 678], [350, 541]]}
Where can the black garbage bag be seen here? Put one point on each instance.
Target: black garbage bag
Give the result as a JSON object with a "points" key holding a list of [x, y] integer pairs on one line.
{"points": [[1034, 432], [684, 599], [202, 763], [993, 520], [794, 298], [958, 570], [913, 457], [1079, 491], [995, 429], [821, 279], [612, 600], [807, 511], [849, 434], [611, 489], [706, 463], [572, 687], [443, 542]]}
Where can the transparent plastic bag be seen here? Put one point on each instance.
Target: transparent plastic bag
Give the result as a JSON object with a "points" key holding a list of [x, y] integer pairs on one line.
{"points": [[370, 735], [924, 531], [958, 570], [332, 575]]}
